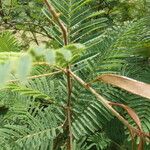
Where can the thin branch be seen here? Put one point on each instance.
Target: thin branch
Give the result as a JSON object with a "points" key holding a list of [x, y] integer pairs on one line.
{"points": [[56, 18], [106, 104], [36, 134], [37, 76], [58, 21], [69, 113], [1, 9], [34, 36], [36, 25], [43, 63]]}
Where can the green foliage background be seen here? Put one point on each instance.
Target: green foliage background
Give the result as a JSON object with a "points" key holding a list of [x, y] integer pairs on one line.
{"points": [[114, 37]]}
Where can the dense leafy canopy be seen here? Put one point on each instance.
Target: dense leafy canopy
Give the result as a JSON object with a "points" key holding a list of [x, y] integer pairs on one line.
{"points": [[51, 51]]}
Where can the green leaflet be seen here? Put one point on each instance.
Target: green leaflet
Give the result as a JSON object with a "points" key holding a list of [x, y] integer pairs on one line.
{"points": [[29, 92], [24, 67], [69, 54], [17, 63], [51, 57], [5, 70], [8, 43], [61, 57]]}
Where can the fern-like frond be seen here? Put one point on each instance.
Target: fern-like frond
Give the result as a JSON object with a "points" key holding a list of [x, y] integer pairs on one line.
{"points": [[29, 92], [8, 43], [82, 23], [34, 132], [30, 125], [115, 48]]}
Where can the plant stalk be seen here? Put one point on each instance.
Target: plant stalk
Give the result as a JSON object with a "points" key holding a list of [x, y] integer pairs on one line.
{"points": [[58, 21], [106, 104], [67, 123], [69, 114]]}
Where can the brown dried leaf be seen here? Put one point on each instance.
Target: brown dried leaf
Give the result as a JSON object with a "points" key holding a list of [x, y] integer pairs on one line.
{"points": [[131, 112], [128, 84], [136, 119]]}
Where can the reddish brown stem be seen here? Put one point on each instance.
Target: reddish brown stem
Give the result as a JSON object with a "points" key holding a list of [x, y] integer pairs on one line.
{"points": [[58, 21], [56, 18], [69, 116]]}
